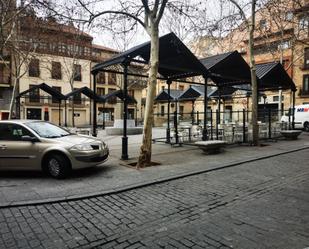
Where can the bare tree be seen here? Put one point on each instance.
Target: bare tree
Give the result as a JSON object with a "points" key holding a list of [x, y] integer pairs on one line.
{"points": [[13, 43], [148, 15]]}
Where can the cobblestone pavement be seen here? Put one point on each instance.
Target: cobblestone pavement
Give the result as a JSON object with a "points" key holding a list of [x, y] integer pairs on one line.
{"points": [[262, 204]]}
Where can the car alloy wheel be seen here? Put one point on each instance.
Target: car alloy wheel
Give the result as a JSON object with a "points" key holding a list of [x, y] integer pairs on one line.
{"points": [[54, 167]]}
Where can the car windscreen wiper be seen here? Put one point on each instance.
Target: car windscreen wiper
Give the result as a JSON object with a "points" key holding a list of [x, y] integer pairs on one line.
{"points": [[52, 136]]}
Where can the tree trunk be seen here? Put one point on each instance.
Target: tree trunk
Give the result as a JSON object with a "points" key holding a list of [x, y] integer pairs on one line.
{"points": [[254, 87], [145, 150], [14, 94]]}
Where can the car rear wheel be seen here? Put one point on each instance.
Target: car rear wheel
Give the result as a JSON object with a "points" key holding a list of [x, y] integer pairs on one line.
{"points": [[57, 166], [306, 126]]}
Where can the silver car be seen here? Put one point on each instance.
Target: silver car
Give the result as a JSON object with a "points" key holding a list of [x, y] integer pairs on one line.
{"points": [[28, 144]]}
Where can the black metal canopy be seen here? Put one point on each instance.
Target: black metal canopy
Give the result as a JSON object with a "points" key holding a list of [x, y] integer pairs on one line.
{"points": [[194, 92], [46, 88], [228, 69], [119, 94], [176, 61], [164, 96], [225, 92], [87, 92], [272, 76]]}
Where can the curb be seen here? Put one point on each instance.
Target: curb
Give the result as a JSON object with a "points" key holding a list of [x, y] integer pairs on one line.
{"points": [[144, 184]]}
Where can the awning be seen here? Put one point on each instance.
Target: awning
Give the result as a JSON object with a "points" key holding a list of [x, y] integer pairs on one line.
{"points": [[194, 92], [164, 96], [228, 69], [87, 92], [46, 88], [119, 94], [272, 76], [175, 59]]}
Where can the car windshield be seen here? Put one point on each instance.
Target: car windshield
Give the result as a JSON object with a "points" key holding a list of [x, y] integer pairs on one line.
{"points": [[47, 130]]}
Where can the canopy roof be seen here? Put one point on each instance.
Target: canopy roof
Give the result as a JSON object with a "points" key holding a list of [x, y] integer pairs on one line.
{"points": [[87, 92], [119, 94], [223, 92], [176, 61], [164, 96], [228, 69], [46, 88], [272, 76], [194, 92]]}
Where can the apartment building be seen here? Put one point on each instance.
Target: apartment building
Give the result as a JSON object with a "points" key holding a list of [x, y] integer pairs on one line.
{"points": [[281, 34], [62, 55]]}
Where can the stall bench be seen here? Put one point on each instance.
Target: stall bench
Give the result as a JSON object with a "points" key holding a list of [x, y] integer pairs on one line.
{"points": [[290, 134], [211, 146]]}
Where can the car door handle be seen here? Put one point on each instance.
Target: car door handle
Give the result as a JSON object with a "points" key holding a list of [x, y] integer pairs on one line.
{"points": [[2, 147]]}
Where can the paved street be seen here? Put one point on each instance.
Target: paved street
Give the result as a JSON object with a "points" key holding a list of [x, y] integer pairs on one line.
{"points": [[262, 204]]}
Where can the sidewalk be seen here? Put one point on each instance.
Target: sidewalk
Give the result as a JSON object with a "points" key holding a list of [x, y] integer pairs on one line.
{"points": [[21, 188]]}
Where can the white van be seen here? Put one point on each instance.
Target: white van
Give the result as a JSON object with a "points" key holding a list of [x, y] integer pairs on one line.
{"points": [[301, 117]]}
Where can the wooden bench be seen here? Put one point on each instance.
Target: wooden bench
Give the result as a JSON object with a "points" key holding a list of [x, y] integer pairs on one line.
{"points": [[290, 134], [211, 146]]}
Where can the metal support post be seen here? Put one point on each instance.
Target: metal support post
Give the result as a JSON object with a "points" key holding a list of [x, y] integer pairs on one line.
{"points": [[269, 123], [211, 125], [244, 125], [176, 127], [293, 117], [94, 110], [217, 124], [168, 129], [205, 137], [124, 155]]}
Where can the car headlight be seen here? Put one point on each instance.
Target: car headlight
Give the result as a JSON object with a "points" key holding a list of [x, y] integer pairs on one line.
{"points": [[82, 147], [104, 146]]}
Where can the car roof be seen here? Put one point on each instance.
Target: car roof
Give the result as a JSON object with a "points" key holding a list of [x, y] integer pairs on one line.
{"points": [[19, 121]]}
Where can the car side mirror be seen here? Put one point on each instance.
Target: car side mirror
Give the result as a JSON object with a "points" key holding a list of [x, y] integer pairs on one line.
{"points": [[30, 139]]}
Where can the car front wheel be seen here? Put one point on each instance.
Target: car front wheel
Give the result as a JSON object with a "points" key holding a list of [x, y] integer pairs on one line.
{"points": [[57, 166]]}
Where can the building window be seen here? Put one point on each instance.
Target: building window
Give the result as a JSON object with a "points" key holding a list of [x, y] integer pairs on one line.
{"points": [[112, 100], [77, 72], [162, 110], [101, 78], [4, 74], [304, 22], [289, 16], [131, 93], [56, 70], [181, 110], [112, 79], [306, 58], [55, 100], [276, 98], [34, 68], [101, 91], [262, 24], [1, 93], [306, 85], [77, 98], [284, 45], [181, 88], [34, 95]]}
